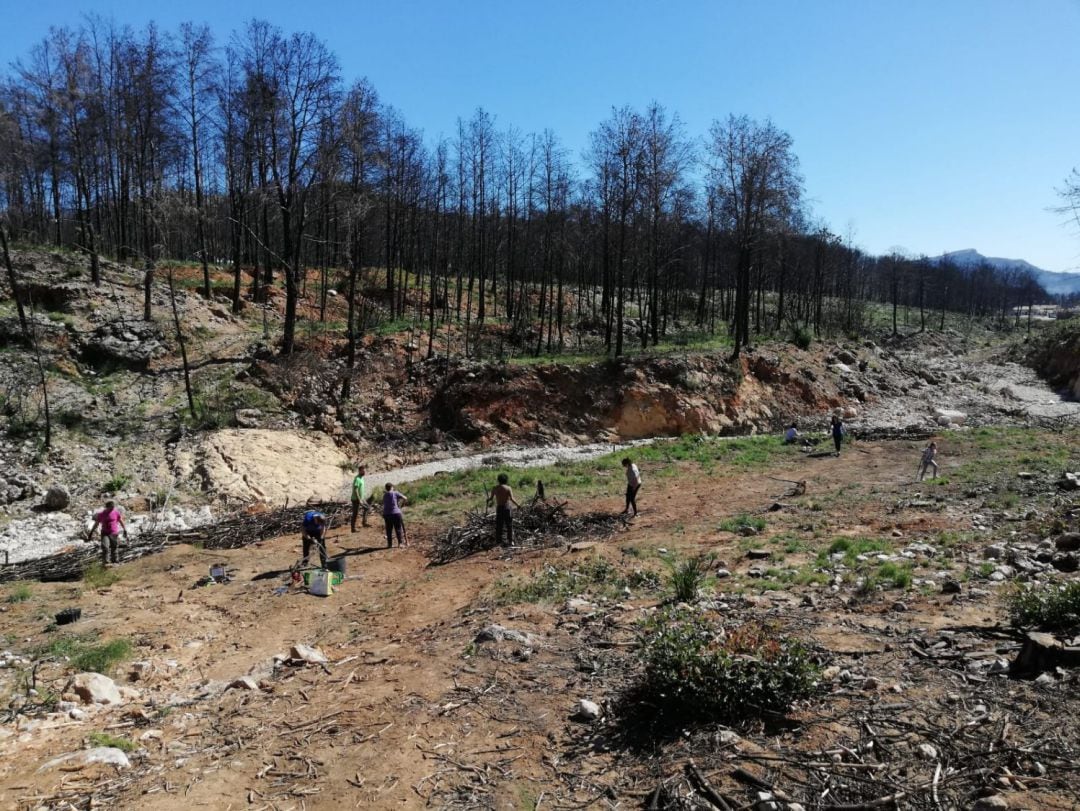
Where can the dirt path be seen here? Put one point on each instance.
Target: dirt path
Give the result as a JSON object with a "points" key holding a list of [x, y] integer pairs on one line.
{"points": [[385, 715]]}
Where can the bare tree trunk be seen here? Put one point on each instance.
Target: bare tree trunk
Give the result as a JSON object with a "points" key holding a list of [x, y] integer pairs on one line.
{"points": [[41, 375], [14, 285], [148, 286], [183, 349]]}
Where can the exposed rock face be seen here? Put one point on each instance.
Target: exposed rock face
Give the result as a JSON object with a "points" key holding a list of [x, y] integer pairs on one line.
{"points": [[131, 344], [666, 396], [259, 465]]}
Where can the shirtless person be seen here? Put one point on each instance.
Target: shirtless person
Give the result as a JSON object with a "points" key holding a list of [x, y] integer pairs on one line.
{"points": [[503, 496]]}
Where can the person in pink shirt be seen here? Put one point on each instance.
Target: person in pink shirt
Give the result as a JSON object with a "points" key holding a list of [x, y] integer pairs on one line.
{"points": [[111, 522]]}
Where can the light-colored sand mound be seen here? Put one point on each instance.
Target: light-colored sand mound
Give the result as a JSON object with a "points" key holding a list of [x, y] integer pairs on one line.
{"points": [[264, 465]]}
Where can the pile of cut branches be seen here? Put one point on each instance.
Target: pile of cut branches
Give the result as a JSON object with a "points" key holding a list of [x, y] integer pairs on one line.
{"points": [[229, 533], [537, 524]]}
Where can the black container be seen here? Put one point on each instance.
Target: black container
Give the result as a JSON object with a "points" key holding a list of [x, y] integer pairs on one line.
{"points": [[336, 565], [68, 616]]}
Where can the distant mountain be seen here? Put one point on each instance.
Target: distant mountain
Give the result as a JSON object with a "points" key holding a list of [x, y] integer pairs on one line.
{"points": [[1056, 284]]}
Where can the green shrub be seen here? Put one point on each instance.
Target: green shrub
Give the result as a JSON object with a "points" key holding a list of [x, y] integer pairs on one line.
{"points": [[738, 522], [117, 483], [1051, 606], [687, 578], [802, 338], [695, 670], [597, 576], [105, 739], [97, 576], [85, 655], [19, 594]]}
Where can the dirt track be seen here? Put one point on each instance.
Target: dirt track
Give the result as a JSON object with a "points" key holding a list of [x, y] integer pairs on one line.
{"points": [[410, 709]]}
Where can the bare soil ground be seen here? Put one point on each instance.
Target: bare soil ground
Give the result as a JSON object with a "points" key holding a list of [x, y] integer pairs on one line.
{"points": [[412, 710]]}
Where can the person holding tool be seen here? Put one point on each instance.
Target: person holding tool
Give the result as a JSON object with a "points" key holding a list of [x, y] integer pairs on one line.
{"points": [[313, 530]]}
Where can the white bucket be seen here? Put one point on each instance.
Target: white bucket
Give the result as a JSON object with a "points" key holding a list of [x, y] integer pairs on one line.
{"points": [[320, 583]]}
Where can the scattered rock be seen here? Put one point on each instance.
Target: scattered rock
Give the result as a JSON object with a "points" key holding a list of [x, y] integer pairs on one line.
{"points": [[87, 757], [759, 554], [577, 605], [497, 633], [951, 586], [994, 801], [728, 737], [140, 671], [302, 653], [994, 552], [94, 688], [588, 710], [1069, 481], [927, 751], [722, 573], [1068, 542], [56, 498], [581, 546], [1041, 652], [1065, 561], [248, 418], [244, 683]]}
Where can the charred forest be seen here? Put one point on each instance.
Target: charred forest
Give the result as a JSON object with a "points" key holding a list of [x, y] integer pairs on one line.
{"points": [[255, 158]]}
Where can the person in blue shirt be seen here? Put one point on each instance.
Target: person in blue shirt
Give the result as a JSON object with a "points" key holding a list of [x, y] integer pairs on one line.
{"points": [[312, 530]]}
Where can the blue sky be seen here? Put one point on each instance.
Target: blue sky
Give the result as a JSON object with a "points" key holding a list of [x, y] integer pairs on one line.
{"points": [[929, 126]]}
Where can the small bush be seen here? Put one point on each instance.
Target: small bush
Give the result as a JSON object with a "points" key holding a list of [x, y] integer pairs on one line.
{"points": [[694, 670], [738, 522], [118, 482], [105, 739], [597, 576], [97, 576], [687, 578], [19, 594], [802, 338], [87, 656], [1049, 606]]}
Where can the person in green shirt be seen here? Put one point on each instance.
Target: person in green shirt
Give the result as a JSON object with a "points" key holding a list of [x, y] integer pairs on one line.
{"points": [[359, 501]]}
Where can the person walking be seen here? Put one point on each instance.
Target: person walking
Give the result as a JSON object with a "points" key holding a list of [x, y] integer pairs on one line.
{"points": [[503, 496], [359, 502], [393, 517], [313, 530], [837, 432], [111, 521], [633, 484], [929, 456]]}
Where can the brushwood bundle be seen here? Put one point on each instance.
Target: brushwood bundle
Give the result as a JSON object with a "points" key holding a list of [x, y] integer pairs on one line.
{"points": [[537, 524]]}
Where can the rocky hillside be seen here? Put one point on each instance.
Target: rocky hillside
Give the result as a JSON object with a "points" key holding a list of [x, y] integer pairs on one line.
{"points": [[268, 429]]}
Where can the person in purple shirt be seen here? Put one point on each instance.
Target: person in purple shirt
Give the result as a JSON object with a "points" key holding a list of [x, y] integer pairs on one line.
{"points": [[393, 517]]}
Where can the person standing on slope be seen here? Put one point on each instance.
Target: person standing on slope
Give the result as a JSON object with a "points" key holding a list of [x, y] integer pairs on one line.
{"points": [[358, 497], [929, 455], [633, 484], [503, 496], [393, 517], [111, 522], [837, 432]]}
